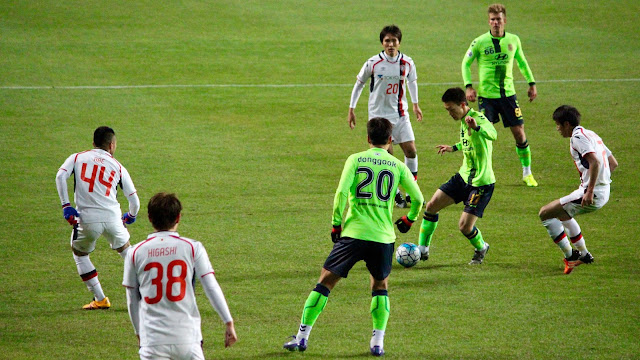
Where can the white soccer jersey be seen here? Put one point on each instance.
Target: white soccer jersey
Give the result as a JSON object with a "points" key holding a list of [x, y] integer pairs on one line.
{"points": [[96, 176], [388, 96], [164, 268], [585, 141]]}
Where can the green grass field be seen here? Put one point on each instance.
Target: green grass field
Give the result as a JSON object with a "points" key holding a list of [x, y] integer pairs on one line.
{"points": [[256, 166]]}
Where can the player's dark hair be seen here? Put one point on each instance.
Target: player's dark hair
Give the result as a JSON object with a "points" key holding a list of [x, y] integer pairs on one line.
{"points": [[103, 136], [567, 113], [455, 95], [163, 210], [379, 130], [393, 30], [497, 9]]}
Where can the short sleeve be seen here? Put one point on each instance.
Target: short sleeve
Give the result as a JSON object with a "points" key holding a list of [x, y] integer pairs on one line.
{"points": [[365, 72], [130, 278], [127, 184], [202, 262], [413, 73], [582, 145]]}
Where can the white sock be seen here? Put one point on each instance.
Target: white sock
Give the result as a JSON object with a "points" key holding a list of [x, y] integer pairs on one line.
{"points": [[555, 230], [423, 249], [84, 266], [575, 234], [377, 338], [303, 332], [572, 227], [412, 163], [526, 171]]}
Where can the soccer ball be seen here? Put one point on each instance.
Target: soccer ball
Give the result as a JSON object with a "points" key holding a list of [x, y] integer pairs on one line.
{"points": [[408, 255]]}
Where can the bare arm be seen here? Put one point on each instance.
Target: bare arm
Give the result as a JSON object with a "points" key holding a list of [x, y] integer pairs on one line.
{"points": [[594, 168], [613, 163]]}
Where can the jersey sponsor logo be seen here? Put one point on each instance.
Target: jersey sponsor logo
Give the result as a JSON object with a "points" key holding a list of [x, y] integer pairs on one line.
{"points": [[502, 56], [390, 77]]}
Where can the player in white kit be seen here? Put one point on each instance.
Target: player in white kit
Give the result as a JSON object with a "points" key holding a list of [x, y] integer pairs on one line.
{"points": [[159, 274], [390, 73], [96, 177], [594, 162]]}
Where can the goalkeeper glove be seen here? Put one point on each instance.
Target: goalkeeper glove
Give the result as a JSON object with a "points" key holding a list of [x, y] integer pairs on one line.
{"points": [[70, 214], [127, 218], [335, 233], [404, 224]]}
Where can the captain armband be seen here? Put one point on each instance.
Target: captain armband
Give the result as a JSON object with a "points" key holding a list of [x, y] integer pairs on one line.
{"points": [[454, 148]]}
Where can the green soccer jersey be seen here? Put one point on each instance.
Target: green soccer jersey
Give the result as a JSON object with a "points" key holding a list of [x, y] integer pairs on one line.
{"points": [[369, 182], [477, 148], [495, 64]]}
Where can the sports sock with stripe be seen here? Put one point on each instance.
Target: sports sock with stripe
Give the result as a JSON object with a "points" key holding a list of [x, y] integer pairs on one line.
{"points": [[314, 305]]}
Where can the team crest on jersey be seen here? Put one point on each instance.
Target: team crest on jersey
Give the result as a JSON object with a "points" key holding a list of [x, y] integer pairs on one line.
{"points": [[510, 47], [402, 68]]}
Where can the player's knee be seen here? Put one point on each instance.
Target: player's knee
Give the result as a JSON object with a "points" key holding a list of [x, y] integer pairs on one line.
{"points": [[410, 153], [78, 252], [465, 227], [543, 213], [123, 247]]}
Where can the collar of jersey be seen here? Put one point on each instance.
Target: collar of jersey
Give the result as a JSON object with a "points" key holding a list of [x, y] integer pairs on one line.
{"points": [[161, 233], [378, 149], [384, 56], [105, 152]]}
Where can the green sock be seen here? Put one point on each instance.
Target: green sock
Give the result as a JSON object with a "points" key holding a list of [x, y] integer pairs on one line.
{"points": [[429, 225], [380, 309], [313, 307], [475, 238], [524, 153]]}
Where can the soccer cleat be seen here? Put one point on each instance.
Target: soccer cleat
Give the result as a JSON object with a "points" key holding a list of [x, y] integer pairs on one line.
{"points": [[478, 256], [98, 305], [530, 181], [400, 202], [294, 344], [575, 259], [424, 255], [377, 350]]}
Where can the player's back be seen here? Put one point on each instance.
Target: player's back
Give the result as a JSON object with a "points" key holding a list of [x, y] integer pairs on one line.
{"points": [[97, 175], [165, 266], [371, 199]]}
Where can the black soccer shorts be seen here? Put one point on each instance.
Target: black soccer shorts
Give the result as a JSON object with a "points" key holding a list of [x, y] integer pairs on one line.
{"points": [[347, 252], [476, 198], [507, 108]]}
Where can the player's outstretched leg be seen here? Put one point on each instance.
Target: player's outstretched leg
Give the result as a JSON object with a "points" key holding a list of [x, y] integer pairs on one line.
{"points": [[89, 276], [481, 247], [524, 153], [314, 305], [380, 315], [428, 227]]}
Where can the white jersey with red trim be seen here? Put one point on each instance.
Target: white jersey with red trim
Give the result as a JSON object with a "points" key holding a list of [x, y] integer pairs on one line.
{"points": [[164, 268], [96, 177], [388, 96], [585, 141]]}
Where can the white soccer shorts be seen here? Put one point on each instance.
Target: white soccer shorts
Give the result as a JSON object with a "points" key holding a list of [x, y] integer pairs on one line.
{"points": [[87, 234], [571, 203], [174, 352], [402, 131]]}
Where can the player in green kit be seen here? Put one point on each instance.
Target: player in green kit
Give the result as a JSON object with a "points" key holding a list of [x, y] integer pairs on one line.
{"points": [[368, 183], [495, 52], [473, 183]]}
